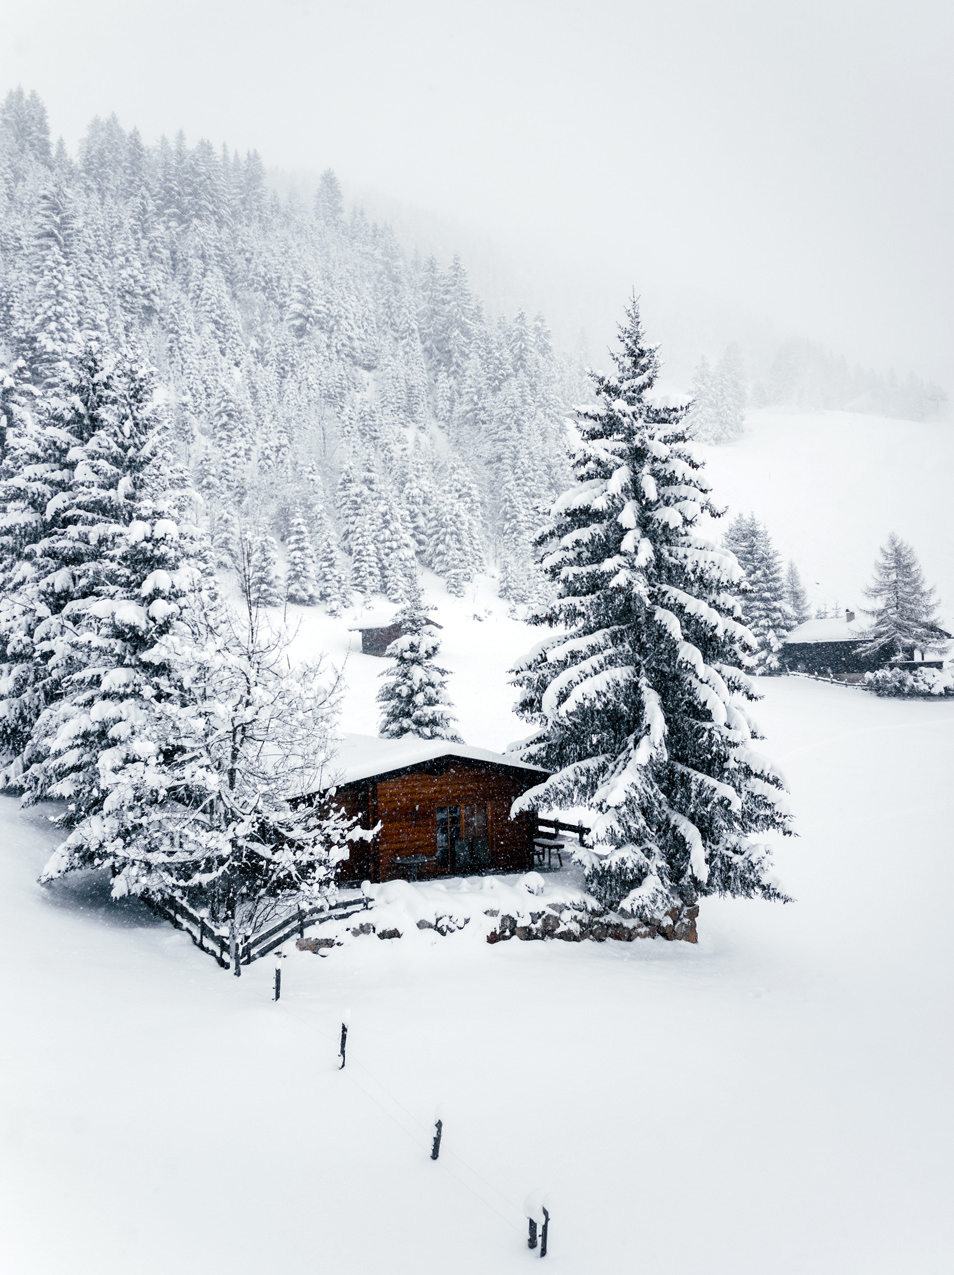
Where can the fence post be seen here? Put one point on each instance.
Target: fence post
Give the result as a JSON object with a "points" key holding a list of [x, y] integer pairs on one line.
{"points": [[531, 1208], [438, 1129], [344, 1040]]}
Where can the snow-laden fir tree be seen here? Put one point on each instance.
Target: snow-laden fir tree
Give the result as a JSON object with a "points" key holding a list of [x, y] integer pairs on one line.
{"points": [[301, 583], [62, 506], [765, 610], [456, 551], [413, 695], [397, 565], [904, 615], [332, 590], [180, 756], [637, 698], [180, 735], [365, 559], [795, 594], [259, 572], [717, 411]]}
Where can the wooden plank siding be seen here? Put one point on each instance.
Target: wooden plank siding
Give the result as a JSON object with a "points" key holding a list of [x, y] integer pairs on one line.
{"points": [[406, 803]]}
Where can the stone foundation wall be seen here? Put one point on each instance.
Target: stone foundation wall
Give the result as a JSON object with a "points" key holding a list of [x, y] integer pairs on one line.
{"points": [[565, 921], [571, 924]]}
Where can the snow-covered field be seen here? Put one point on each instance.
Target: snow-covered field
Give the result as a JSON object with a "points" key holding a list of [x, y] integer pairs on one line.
{"points": [[831, 486], [776, 1099]]}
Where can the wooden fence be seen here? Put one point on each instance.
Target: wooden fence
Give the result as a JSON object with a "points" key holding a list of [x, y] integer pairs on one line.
{"points": [[217, 942], [835, 679], [558, 827]]}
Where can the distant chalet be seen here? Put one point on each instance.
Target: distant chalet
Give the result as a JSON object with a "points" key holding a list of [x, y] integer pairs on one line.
{"points": [[377, 633], [829, 648], [444, 808]]}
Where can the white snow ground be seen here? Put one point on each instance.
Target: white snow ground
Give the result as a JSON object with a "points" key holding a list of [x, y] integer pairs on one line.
{"points": [[774, 1100], [831, 486]]}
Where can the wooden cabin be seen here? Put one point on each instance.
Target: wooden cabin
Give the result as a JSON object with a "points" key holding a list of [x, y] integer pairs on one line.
{"points": [[377, 634], [830, 648], [444, 809]]}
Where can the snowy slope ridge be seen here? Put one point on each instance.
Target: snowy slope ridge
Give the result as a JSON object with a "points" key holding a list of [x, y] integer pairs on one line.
{"points": [[776, 1099], [830, 487]]}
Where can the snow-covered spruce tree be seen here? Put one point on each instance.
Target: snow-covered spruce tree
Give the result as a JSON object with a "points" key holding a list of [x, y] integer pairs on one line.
{"points": [[456, 552], [181, 766], [637, 698], [904, 617], [259, 572], [365, 560], [765, 611], [301, 582], [795, 594], [413, 695], [396, 559], [63, 502], [181, 735], [332, 590], [717, 411]]}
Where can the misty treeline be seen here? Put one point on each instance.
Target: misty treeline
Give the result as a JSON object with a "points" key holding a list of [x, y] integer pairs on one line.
{"points": [[340, 412], [805, 375]]}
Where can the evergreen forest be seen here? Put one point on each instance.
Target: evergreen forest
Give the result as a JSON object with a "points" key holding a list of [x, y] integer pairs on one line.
{"points": [[337, 411]]}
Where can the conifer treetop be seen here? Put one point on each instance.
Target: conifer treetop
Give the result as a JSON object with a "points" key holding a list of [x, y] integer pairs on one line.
{"points": [[905, 611], [413, 695]]}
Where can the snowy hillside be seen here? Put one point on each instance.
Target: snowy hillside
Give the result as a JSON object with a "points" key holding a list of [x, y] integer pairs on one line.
{"points": [[776, 1099], [344, 421], [830, 488]]}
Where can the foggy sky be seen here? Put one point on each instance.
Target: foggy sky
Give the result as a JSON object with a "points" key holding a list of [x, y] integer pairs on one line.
{"points": [[741, 163]]}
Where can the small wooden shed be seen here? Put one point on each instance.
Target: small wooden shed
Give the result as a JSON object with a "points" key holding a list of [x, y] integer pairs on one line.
{"points": [[377, 633], [444, 808]]}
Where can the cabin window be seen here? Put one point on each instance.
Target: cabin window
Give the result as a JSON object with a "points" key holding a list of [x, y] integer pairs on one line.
{"points": [[463, 844], [448, 835]]}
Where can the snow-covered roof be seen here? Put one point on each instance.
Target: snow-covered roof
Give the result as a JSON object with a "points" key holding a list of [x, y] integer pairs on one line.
{"points": [[372, 620], [361, 756], [379, 620], [828, 631]]}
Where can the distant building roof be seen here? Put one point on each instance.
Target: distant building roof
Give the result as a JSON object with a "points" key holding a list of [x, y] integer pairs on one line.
{"points": [[378, 620], [827, 631]]}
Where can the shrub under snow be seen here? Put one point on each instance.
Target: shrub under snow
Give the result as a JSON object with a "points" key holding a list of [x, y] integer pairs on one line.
{"points": [[904, 682]]}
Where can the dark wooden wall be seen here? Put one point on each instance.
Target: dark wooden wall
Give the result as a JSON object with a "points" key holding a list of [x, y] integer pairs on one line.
{"points": [[828, 657], [407, 805], [377, 641]]}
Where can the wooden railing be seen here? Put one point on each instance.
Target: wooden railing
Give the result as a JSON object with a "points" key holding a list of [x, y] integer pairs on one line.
{"points": [[266, 941], [834, 679], [217, 941], [199, 930], [578, 830]]}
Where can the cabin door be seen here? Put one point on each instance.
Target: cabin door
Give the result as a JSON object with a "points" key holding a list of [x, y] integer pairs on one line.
{"points": [[463, 844]]}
